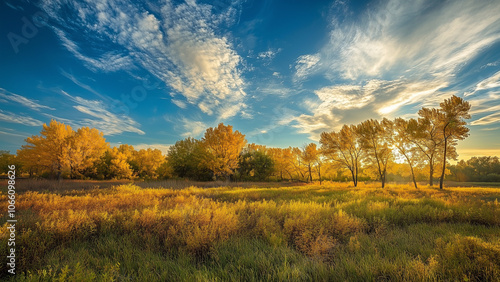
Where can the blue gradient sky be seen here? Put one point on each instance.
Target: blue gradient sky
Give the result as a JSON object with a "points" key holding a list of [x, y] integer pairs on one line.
{"points": [[281, 72]]}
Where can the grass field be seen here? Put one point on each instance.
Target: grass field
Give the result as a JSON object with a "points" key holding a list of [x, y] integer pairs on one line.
{"points": [[332, 232]]}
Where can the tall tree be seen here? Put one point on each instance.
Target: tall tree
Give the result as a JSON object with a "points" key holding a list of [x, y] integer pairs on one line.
{"points": [[186, 158], [255, 163], [148, 161], [86, 146], [310, 155], [344, 148], [375, 138], [51, 149], [402, 140], [281, 161], [454, 111], [223, 147], [427, 137]]}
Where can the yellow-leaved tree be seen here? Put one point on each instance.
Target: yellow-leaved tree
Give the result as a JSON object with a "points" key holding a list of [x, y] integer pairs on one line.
{"points": [[148, 161], [60, 150], [86, 146], [376, 139], [344, 147], [454, 111], [223, 147], [50, 151]]}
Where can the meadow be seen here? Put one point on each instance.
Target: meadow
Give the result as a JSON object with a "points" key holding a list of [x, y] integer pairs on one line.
{"points": [[174, 231]]}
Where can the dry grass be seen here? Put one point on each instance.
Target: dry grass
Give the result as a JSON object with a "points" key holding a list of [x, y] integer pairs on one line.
{"points": [[341, 232]]}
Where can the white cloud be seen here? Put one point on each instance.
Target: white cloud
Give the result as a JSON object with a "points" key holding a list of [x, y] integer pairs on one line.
{"points": [[488, 83], [489, 119], [104, 120], [345, 97], [305, 65], [192, 128], [162, 147], [416, 36], [33, 104], [313, 125], [179, 103], [269, 54], [177, 43], [15, 118]]}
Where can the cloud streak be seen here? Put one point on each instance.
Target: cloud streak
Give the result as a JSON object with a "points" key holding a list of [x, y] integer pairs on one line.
{"points": [[15, 118], [102, 119], [32, 104]]}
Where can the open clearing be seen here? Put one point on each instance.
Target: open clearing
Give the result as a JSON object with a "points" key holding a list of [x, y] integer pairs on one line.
{"points": [[334, 232]]}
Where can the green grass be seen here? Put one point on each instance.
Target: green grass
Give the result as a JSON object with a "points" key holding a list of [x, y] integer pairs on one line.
{"points": [[331, 232]]}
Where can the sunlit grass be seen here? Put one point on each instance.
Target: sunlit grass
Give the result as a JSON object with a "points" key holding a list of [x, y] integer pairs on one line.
{"points": [[311, 232]]}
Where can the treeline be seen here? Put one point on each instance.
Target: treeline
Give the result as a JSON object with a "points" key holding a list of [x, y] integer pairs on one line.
{"points": [[480, 169], [398, 149]]}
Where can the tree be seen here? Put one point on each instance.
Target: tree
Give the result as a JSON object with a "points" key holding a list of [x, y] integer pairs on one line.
{"points": [[255, 164], [113, 164], [223, 147], [50, 150], [86, 146], [310, 156], [481, 169], [452, 123], [426, 136], [402, 140], [281, 159], [6, 159], [375, 139], [344, 148], [148, 161], [186, 158]]}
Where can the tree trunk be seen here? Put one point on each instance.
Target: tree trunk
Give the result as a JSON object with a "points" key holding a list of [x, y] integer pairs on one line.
{"points": [[444, 164], [412, 173], [413, 177], [310, 174], [354, 180], [431, 172], [382, 178], [319, 174]]}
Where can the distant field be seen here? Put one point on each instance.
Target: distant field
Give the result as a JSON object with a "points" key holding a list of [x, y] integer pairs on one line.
{"points": [[115, 231]]}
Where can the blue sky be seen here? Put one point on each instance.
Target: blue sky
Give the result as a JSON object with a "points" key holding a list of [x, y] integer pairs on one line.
{"points": [[281, 72]]}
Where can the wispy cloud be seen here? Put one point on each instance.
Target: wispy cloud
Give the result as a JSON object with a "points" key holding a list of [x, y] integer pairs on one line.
{"points": [[15, 118], [178, 44], [486, 84], [192, 128], [489, 119], [305, 65], [103, 119], [33, 104]]}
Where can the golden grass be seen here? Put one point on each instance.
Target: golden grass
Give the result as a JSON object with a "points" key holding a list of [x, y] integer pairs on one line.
{"points": [[318, 221]]}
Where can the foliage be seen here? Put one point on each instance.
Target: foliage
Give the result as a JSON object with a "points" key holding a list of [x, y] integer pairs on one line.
{"points": [[482, 169], [222, 147], [255, 165], [7, 159], [186, 159], [310, 232], [345, 148], [375, 139]]}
